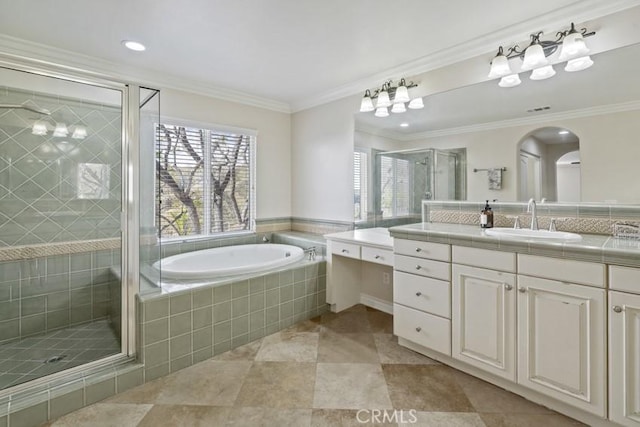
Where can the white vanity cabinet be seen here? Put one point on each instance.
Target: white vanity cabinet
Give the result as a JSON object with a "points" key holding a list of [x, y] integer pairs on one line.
{"points": [[561, 331], [484, 319], [422, 294], [624, 346]]}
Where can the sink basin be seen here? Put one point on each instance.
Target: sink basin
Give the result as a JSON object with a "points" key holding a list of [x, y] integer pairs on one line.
{"points": [[526, 234]]}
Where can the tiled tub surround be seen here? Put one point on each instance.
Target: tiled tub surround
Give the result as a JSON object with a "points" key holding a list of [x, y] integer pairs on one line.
{"points": [[576, 218], [178, 329]]}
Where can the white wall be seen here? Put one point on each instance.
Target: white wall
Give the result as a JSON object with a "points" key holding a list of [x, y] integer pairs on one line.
{"points": [[273, 179]]}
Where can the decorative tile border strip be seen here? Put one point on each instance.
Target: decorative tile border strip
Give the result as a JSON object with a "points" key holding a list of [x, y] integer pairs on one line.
{"points": [[318, 226], [17, 253]]}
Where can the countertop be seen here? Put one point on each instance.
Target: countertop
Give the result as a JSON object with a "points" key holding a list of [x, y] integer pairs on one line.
{"points": [[592, 247], [369, 236]]}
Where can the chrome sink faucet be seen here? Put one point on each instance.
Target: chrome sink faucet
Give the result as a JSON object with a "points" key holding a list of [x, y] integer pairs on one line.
{"points": [[533, 209]]}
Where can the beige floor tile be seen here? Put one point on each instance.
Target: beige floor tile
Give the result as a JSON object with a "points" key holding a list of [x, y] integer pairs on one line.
{"points": [[185, 416], [268, 417], [529, 420], [289, 347], [380, 323], [105, 414], [214, 383], [244, 352], [355, 321], [311, 325], [278, 385], [346, 348], [350, 386], [441, 419], [346, 418], [425, 388], [389, 351], [486, 397], [145, 393]]}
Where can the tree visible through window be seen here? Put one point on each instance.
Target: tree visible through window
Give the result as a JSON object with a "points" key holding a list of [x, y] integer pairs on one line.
{"points": [[205, 181]]}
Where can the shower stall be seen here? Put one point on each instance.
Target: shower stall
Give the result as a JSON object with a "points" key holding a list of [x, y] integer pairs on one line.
{"points": [[403, 179], [69, 221]]}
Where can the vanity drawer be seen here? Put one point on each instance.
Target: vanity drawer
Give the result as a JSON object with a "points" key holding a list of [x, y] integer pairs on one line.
{"points": [[421, 328], [484, 258], [563, 270], [624, 278], [345, 249], [422, 293], [379, 256], [437, 251], [423, 267]]}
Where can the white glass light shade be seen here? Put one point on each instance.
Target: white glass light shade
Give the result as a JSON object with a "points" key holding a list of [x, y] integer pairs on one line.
{"points": [[39, 128], [416, 104], [499, 67], [534, 58], [398, 107], [573, 46], [367, 103], [80, 132], [383, 100], [402, 95], [381, 112], [542, 73], [510, 81], [61, 130], [579, 64]]}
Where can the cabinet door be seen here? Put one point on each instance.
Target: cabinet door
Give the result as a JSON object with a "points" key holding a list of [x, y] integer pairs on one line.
{"points": [[624, 358], [483, 319], [561, 341]]}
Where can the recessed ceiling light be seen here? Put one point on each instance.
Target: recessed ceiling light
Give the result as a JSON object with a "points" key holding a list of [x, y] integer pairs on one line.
{"points": [[563, 132], [137, 46], [404, 125]]}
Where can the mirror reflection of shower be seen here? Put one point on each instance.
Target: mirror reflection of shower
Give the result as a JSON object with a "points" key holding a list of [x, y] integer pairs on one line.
{"points": [[403, 179]]}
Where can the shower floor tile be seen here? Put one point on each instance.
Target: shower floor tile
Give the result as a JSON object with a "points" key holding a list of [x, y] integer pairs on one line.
{"points": [[33, 357]]}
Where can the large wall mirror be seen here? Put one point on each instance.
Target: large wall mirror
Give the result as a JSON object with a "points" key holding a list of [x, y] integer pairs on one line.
{"points": [[572, 138]]}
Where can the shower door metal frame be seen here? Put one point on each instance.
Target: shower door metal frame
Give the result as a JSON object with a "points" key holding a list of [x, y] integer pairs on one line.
{"points": [[130, 268]]}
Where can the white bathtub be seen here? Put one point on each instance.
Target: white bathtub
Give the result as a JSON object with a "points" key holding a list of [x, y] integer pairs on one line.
{"points": [[228, 261]]}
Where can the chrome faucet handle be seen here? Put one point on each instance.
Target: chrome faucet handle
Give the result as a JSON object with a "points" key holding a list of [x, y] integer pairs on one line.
{"points": [[516, 222], [552, 224]]}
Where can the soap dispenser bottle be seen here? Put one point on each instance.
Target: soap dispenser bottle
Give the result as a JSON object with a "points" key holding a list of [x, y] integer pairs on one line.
{"points": [[486, 216]]}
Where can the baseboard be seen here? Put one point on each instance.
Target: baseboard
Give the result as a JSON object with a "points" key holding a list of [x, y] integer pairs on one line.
{"points": [[377, 303]]}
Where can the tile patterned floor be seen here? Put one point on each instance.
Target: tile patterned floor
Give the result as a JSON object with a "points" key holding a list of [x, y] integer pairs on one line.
{"points": [[320, 372], [30, 358]]}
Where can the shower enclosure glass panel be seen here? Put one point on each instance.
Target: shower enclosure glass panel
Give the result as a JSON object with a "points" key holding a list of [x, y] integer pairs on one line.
{"points": [[60, 224]]}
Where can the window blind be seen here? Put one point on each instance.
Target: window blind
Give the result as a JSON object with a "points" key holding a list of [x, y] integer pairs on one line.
{"points": [[360, 184]]}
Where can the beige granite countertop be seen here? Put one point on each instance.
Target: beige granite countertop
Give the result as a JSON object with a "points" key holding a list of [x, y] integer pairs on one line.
{"points": [[592, 247], [370, 236]]}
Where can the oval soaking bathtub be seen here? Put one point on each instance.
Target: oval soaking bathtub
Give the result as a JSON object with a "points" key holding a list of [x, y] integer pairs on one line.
{"points": [[228, 261]]}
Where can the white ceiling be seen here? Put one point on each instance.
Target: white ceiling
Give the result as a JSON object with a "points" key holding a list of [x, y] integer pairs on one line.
{"points": [[287, 51]]}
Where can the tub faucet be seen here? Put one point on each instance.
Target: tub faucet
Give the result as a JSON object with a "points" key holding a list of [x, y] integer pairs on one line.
{"points": [[312, 253], [533, 209]]}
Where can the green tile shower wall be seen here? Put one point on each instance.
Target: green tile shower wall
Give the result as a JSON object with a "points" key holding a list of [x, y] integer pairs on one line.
{"points": [[45, 294], [180, 329], [39, 201]]}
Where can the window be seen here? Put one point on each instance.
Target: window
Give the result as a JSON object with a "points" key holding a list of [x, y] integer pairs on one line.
{"points": [[360, 185], [395, 187], [206, 181]]}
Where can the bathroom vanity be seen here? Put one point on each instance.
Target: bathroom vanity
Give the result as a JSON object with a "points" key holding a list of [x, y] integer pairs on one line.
{"points": [[556, 322]]}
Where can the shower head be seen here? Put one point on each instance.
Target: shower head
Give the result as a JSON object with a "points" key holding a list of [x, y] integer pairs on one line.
{"points": [[29, 106]]}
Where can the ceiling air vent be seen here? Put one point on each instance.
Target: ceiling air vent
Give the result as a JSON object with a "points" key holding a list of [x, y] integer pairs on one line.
{"points": [[536, 109]]}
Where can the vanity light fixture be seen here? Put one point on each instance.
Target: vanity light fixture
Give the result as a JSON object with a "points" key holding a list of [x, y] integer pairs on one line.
{"points": [[80, 132], [535, 57], [39, 128], [61, 130], [390, 95]]}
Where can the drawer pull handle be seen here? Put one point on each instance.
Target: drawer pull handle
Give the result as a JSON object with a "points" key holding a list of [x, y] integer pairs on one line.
{"points": [[378, 257], [617, 309], [418, 249], [418, 294], [418, 267], [508, 287], [418, 329], [345, 251], [522, 290]]}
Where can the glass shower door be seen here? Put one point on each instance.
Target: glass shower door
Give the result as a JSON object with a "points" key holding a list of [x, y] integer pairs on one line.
{"points": [[60, 224]]}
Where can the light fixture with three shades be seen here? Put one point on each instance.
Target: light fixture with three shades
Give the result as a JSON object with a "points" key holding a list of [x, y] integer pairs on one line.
{"points": [[390, 95]]}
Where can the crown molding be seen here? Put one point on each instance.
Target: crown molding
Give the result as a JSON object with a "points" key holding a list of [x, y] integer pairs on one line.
{"points": [[29, 53], [580, 11], [543, 118]]}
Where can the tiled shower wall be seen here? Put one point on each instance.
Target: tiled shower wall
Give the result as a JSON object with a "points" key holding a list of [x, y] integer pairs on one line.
{"points": [[48, 293]]}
